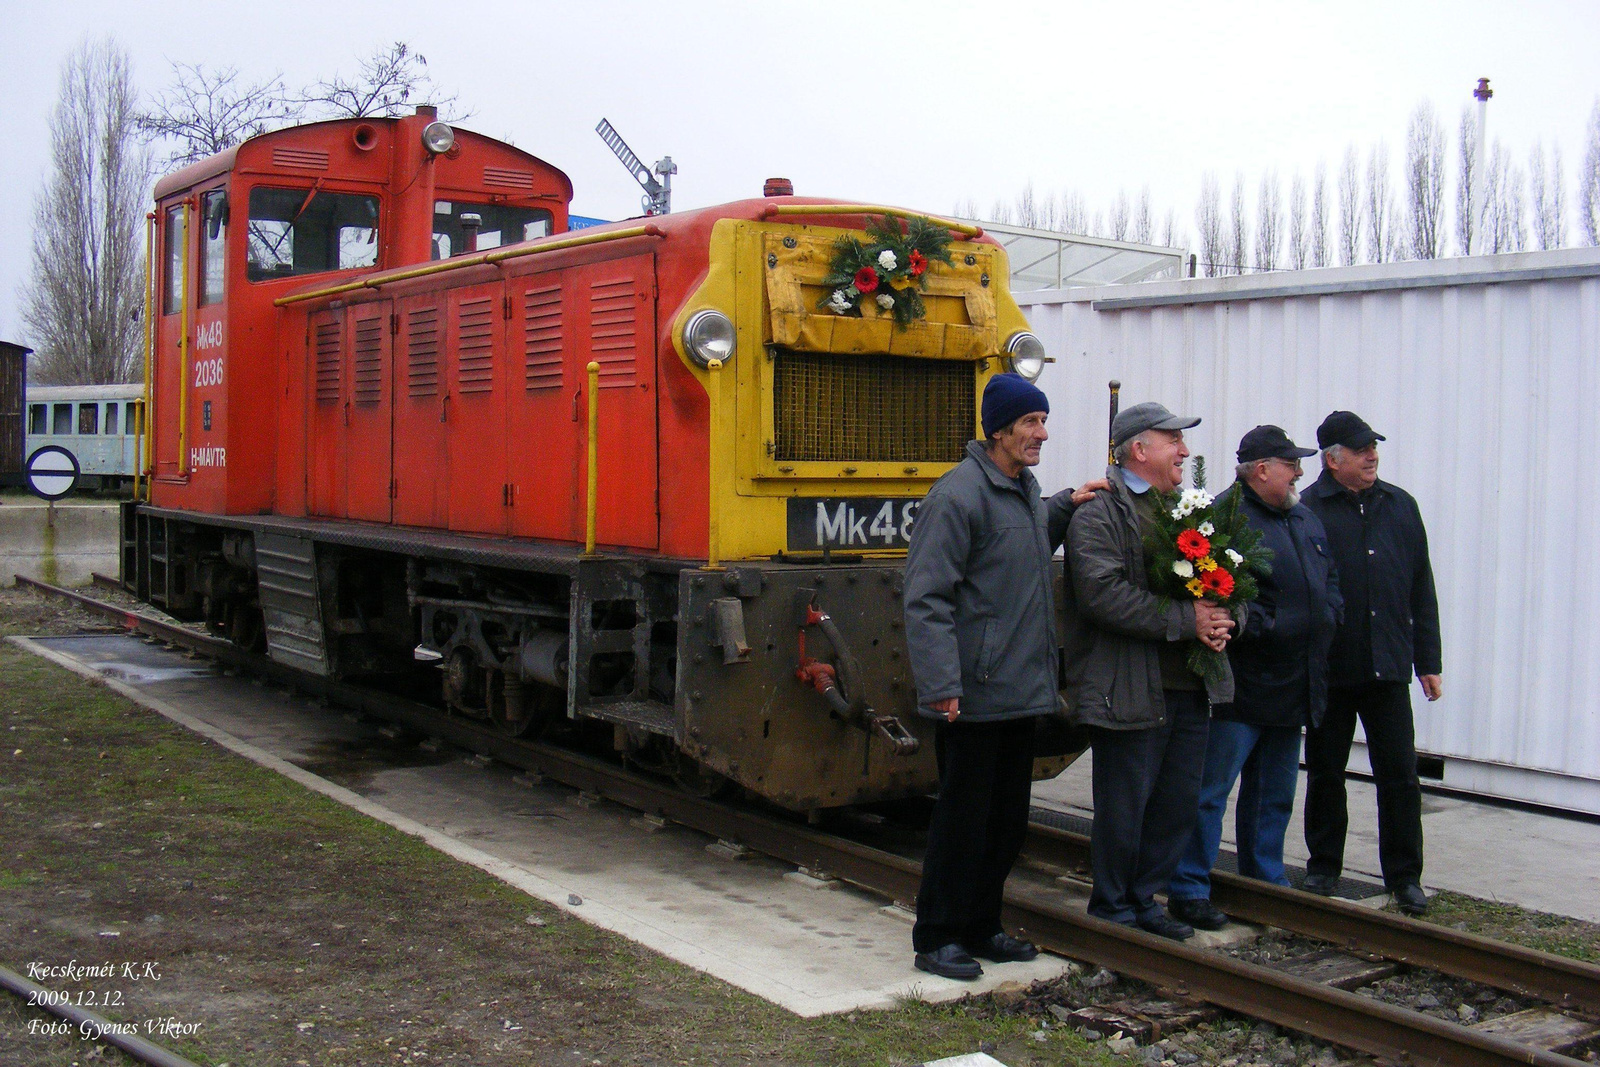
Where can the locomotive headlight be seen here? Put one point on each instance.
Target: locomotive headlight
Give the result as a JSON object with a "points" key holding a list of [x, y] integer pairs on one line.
{"points": [[708, 335], [1025, 352], [438, 137]]}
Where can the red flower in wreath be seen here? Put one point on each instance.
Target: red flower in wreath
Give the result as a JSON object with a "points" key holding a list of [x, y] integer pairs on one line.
{"points": [[1219, 582], [866, 279], [1193, 544], [919, 263]]}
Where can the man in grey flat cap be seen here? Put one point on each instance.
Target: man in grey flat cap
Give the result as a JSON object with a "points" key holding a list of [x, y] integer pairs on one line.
{"points": [[1126, 656]]}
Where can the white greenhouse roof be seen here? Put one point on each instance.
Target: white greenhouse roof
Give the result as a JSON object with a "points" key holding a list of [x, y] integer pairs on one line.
{"points": [[1047, 259]]}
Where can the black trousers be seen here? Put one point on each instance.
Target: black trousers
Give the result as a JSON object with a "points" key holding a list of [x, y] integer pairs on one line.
{"points": [[1146, 801], [1384, 709], [979, 823]]}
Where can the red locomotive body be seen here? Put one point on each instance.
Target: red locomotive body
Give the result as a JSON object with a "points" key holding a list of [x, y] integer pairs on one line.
{"points": [[371, 449]]}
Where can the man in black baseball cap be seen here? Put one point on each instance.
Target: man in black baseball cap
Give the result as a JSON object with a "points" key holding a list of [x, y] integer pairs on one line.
{"points": [[1390, 630]]}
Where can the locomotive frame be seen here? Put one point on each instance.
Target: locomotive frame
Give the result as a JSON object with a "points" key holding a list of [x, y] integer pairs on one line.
{"points": [[391, 474]]}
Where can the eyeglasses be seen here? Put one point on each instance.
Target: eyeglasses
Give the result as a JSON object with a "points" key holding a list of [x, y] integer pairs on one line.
{"points": [[1295, 463]]}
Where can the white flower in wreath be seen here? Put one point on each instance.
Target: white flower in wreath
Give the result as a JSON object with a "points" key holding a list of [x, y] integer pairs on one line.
{"points": [[885, 301], [1233, 557], [1206, 529], [1183, 569], [839, 302], [886, 260]]}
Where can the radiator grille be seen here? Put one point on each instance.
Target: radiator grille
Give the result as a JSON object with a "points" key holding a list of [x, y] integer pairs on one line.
{"points": [[422, 352], [541, 337], [330, 336], [475, 345], [369, 360], [871, 408]]}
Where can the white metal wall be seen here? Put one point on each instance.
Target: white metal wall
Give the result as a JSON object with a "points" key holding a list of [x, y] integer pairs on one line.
{"points": [[1484, 374]]}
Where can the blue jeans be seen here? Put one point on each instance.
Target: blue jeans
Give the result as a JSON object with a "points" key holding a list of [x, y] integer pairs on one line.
{"points": [[1265, 760]]}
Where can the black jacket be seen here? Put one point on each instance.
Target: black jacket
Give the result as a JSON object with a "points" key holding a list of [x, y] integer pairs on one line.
{"points": [[1391, 613], [1280, 658]]}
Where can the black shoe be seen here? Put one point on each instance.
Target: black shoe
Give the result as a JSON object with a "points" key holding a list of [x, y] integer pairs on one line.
{"points": [[1164, 925], [1411, 898], [951, 961], [1322, 885], [1198, 912], [1002, 948]]}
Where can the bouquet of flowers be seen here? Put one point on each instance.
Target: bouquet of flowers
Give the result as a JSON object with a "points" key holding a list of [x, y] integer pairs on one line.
{"points": [[1203, 549], [888, 269]]}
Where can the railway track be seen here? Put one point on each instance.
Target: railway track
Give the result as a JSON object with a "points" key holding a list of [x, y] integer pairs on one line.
{"points": [[1323, 1011]]}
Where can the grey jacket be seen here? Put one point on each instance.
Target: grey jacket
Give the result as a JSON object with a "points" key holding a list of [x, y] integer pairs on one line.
{"points": [[980, 618], [1115, 625]]}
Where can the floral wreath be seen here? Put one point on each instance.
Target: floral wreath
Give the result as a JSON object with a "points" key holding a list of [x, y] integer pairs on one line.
{"points": [[890, 268]]}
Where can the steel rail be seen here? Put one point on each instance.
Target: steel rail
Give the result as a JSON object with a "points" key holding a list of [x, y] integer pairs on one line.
{"points": [[91, 1025], [1259, 992], [1565, 983]]}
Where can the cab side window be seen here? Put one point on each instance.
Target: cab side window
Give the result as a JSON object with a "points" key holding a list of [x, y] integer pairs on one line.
{"points": [[172, 276], [213, 245]]}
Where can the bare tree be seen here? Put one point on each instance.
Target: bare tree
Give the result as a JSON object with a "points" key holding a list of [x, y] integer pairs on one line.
{"points": [[1504, 205], [1001, 213], [1589, 181], [1169, 230], [966, 208], [1074, 216], [1425, 182], [1027, 207], [1319, 216], [1121, 217], [82, 302], [1299, 246], [1545, 188], [206, 111], [389, 83], [1208, 225], [1380, 206], [1269, 223], [1349, 208], [1142, 224], [1238, 238], [1467, 212]]}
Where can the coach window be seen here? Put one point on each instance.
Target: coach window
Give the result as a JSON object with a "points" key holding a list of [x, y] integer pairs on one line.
{"points": [[307, 231], [88, 418], [38, 421], [61, 418], [213, 240], [111, 419], [172, 280], [460, 227]]}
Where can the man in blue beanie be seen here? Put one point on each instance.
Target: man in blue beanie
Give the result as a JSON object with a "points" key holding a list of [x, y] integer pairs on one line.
{"points": [[981, 637]]}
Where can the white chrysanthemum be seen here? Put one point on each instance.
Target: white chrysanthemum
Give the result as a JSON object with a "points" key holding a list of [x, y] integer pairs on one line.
{"points": [[839, 302], [1183, 569], [886, 260], [885, 301], [1206, 529], [1233, 557]]}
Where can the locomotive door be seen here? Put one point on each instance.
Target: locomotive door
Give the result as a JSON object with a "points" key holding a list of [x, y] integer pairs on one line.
{"points": [[421, 459], [619, 332], [366, 403], [544, 437], [475, 414], [327, 439]]}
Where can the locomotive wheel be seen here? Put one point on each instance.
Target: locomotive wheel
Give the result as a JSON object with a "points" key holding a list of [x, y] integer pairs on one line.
{"points": [[698, 780], [525, 710]]}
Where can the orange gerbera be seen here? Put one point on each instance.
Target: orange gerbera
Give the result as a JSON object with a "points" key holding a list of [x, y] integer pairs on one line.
{"points": [[1193, 544], [1218, 581]]}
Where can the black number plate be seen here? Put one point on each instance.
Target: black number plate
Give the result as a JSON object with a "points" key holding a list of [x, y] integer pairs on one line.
{"points": [[857, 523]]}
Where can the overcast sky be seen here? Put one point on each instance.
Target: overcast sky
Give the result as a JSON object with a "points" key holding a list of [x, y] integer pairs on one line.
{"points": [[917, 104]]}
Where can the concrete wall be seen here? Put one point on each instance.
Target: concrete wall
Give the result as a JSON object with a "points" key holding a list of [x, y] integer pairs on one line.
{"points": [[1483, 374], [62, 545]]}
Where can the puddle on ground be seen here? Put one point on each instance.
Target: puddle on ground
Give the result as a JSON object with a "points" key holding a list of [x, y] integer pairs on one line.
{"points": [[353, 762], [146, 674]]}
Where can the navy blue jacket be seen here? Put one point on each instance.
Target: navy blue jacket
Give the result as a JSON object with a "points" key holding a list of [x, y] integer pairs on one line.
{"points": [[1391, 614], [1280, 658]]}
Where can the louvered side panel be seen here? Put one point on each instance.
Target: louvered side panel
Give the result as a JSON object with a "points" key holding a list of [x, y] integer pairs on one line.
{"points": [[541, 337], [613, 330], [422, 352], [368, 354], [330, 356], [475, 345]]}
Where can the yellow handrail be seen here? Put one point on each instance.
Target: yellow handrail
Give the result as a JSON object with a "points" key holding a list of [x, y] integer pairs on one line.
{"points": [[141, 464], [594, 456], [463, 262], [183, 345], [714, 520], [964, 228]]}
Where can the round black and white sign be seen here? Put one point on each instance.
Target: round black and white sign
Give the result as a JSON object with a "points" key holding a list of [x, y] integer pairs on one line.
{"points": [[52, 472]]}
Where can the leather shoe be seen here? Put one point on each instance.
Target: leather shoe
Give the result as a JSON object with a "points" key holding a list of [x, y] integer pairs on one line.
{"points": [[950, 961], [1411, 898], [1164, 925], [1198, 912], [1322, 885], [1002, 948]]}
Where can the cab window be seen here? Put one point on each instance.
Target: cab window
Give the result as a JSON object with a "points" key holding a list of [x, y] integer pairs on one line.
{"points": [[307, 231], [172, 277], [213, 243], [460, 227]]}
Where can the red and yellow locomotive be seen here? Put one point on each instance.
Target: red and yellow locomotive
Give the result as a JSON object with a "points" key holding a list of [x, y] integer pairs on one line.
{"points": [[404, 419]]}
